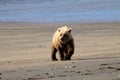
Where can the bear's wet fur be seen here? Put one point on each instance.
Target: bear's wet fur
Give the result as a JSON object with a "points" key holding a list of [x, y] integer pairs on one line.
{"points": [[62, 42]]}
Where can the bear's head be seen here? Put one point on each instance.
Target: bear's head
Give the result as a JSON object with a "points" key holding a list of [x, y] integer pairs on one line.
{"points": [[64, 34]]}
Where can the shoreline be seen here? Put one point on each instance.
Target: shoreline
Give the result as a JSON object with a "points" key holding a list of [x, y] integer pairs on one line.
{"points": [[68, 22]]}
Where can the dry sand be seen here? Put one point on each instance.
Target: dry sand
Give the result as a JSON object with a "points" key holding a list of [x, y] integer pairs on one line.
{"points": [[25, 52]]}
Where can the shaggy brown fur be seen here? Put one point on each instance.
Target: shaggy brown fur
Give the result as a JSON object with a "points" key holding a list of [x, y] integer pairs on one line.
{"points": [[66, 48]]}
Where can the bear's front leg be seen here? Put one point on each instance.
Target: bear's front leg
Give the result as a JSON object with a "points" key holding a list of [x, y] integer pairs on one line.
{"points": [[53, 53], [66, 55], [70, 51], [70, 54], [61, 54]]}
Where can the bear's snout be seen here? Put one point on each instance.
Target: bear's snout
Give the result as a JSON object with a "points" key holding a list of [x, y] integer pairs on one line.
{"points": [[62, 39]]}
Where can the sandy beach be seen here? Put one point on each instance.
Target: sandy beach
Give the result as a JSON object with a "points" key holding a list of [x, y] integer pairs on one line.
{"points": [[25, 52]]}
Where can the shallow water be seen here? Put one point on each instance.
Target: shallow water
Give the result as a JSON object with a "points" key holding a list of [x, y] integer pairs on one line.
{"points": [[59, 10]]}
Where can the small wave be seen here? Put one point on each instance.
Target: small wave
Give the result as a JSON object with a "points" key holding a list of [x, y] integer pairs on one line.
{"points": [[23, 1]]}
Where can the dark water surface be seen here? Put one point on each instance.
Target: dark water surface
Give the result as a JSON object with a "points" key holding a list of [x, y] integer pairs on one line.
{"points": [[59, 10]]}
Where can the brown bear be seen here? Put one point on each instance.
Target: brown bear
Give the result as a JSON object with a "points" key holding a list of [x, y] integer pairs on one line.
{"points": [[62, 42]]}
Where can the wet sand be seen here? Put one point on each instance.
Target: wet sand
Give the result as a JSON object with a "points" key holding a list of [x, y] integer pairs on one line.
{"points": [[25, 52]]}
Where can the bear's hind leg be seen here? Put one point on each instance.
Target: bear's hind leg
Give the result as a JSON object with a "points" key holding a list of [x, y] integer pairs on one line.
{"points": [[53, 53]]}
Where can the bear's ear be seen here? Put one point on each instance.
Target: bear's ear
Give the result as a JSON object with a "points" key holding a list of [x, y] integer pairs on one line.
{"points": [[69, 30]]}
